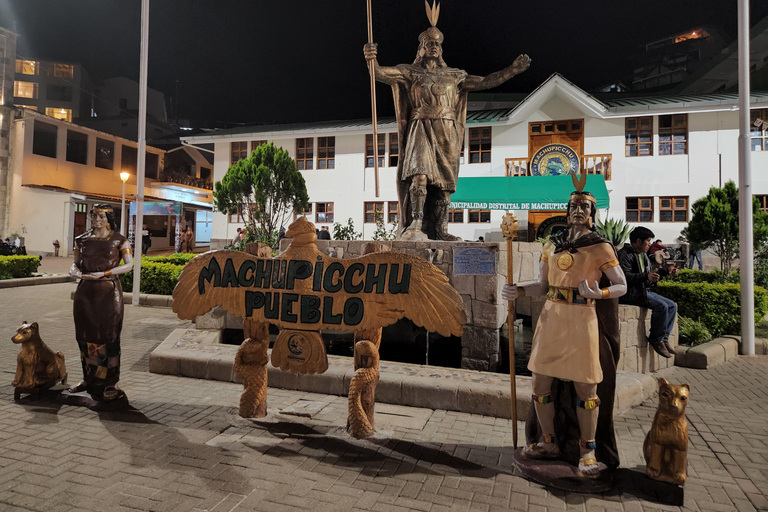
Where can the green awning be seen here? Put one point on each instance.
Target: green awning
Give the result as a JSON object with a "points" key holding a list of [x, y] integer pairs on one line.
{"points": [[523, 192]]}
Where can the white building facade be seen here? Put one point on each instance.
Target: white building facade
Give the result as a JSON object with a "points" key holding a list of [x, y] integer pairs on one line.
{"points": [[58, 170], [658, 154]]}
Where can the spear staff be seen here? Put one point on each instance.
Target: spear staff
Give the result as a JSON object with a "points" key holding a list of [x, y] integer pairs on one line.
{"points": [[371, 71], [509, 229]]}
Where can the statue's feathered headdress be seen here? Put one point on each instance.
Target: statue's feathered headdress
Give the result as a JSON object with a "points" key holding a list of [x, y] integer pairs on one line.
{"points": [[579, 184], [433, 13]]}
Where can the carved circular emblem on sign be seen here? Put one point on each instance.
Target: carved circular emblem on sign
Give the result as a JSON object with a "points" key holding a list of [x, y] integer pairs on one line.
{"points": [[565, 261], [552, 226], [299, 351], [554, 160], [297, 345]]}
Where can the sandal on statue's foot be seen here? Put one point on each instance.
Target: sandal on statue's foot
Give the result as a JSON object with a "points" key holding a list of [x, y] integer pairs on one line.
{"points": [[79, 387], [589, 467], [546, 449], [111, 392]]}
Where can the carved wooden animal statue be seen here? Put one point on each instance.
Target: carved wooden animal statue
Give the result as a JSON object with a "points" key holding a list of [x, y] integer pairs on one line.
{"points": [[666, 445], [37, 366], [251, 366]]}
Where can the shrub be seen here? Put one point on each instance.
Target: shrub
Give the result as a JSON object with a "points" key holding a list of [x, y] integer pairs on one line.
{"points": [[156, 278], [699, 276], [179, 258], [717, 306], [18, 266], [341, 232], [692, 332]]}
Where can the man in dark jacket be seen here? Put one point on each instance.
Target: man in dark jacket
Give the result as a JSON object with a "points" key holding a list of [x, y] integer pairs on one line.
{"points": [[640, 276]]}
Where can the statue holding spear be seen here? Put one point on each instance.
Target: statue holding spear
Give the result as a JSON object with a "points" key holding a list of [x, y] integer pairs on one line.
{"points": [[431, 110]]}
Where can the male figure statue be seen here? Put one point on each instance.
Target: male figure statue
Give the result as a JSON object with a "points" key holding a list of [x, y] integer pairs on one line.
{"points": [[431, 108], [568, 344]]}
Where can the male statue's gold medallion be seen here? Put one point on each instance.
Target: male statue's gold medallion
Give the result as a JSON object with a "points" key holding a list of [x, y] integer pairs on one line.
{"points": [[565, 261]]}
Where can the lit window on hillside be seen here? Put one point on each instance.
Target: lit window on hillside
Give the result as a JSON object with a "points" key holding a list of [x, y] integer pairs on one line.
{"points": [[27, 67], [65, 114], [24, 89]]}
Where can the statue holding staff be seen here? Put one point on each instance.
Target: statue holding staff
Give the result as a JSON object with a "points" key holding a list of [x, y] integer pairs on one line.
{"points": [[431, 109], [575, 346]]}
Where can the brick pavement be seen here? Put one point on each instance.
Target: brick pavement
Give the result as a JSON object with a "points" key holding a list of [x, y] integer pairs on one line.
{"points": [[185, 449]]}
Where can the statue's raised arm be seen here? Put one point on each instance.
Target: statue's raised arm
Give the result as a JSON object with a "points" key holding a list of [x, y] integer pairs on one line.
{"points": [[476, 83]]}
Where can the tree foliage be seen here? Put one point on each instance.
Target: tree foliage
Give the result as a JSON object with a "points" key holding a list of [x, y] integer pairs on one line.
{"points": [[715, 223], [266, 188], [342, 232]]}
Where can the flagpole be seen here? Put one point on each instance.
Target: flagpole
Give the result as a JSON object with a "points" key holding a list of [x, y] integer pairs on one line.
{"points": [[371, 71], [142, 152], [509, 229]]}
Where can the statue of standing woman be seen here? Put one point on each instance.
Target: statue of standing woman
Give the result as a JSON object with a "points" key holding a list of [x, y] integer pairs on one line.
{"points": [[431, 109], [98, 304]]}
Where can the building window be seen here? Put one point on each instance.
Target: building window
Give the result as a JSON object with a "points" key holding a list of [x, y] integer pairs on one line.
{"points": [[638, 136], [105, 153], [456, 216], [307, 213], [24, 89], [326, 152], [571, 127], [673, 134], [763, 200], [479, 145], [128, 158], [239, 216], [324, 213], [759, 135], [58, 93], [27, 67], [479, 216], [639, 209], [77, 147], [238, 151], [257, 143], [151, 165], [394, 150], [673, 209], [393, 212], [28, 107], [65, 114], [44, 139], [369, 149], [304, 153], [63, 70], [373, 210]]}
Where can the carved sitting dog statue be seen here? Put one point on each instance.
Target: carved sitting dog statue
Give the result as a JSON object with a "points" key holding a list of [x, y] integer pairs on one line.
{"points": [[37, 365], [666, 445]]}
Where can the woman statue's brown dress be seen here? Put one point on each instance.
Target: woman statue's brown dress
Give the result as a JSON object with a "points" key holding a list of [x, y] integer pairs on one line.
{"points": [[98, 311]]}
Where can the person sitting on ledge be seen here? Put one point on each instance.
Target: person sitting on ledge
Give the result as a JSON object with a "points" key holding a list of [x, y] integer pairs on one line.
{"points": [[640, 276]]}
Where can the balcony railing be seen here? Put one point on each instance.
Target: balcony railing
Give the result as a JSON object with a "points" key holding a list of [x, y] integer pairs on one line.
{"points": [[185, 179], [594, 164]]}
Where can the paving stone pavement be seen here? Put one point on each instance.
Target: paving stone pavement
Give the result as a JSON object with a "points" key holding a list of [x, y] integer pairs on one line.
{"points": [[184, 448]]}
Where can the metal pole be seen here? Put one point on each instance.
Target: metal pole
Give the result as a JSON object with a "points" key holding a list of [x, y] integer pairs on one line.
{"points": [[509, 230], [746, 242], [141, 164], [122, 213], [372, 72]]}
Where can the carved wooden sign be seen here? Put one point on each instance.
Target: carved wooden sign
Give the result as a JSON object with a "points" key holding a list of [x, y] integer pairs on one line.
{"points": [[306, 290]]}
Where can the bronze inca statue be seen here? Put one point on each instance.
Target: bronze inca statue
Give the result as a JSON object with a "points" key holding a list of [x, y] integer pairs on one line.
{"points": [[431, 108]]}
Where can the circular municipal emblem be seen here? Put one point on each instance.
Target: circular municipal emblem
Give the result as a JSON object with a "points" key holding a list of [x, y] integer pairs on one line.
{"points": [[554, 160], [297, 344], [565, 261], [552, 226]]}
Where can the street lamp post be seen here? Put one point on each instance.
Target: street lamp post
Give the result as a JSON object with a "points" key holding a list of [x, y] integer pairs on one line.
{"points": [[123, 176]]}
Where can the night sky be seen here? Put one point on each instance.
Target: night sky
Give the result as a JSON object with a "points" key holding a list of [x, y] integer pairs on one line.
{"points": [[251, 61]]}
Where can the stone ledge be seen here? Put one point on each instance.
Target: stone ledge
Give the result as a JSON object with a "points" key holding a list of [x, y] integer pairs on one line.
{"points": [[153, 301], [197, 353], [33, 281], [761, 347], [707, 355]]}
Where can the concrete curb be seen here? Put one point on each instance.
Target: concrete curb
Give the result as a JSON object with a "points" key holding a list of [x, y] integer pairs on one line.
{"points": [[145, 299], [197, 353], [34, 281], [708, 355], [761, 347]]}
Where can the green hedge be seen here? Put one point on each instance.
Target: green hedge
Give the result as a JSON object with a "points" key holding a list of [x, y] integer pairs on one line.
{"points": [[18, 266], [717, 306], [179, 258], [698, 276], [156, 278]]}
